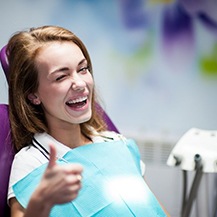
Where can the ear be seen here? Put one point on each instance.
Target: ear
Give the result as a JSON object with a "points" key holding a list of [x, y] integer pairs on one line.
{"points": [[34, 99]]}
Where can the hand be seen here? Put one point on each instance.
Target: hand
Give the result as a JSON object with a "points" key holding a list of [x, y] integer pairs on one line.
{"points": [[60, 183]]}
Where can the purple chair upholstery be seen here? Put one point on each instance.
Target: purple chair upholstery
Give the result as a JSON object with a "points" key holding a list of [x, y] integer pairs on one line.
{"points": [[6, 157], [6, 150], [4, 61]]}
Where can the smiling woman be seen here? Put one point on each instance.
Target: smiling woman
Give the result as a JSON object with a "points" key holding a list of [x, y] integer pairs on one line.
{"points": [[65, 156], [65, 85]]}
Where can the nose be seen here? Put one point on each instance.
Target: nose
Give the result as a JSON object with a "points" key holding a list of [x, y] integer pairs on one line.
{"points": [[78, 84]]}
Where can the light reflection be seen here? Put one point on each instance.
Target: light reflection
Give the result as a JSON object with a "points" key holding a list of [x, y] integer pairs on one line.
{"points": [[129, 188]]}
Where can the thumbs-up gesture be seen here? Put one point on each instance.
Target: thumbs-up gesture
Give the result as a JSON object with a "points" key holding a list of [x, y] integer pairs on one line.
{"points": [[60, 183]]}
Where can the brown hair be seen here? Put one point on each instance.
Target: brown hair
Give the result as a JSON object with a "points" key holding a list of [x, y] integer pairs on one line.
{"points": [[27, 119]]}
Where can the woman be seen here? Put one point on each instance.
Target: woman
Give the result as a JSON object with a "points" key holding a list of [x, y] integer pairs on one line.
{"points": [[67, 164]]}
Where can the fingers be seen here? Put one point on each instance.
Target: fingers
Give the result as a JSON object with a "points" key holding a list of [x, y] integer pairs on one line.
{"points": [[72, 179], [75, 169], [72, 169], [79, 178], [73, 173], [61, 182], [69, 169], [53, 153]]}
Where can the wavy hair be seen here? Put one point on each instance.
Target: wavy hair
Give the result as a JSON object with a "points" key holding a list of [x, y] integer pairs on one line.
{"points": [[27, 119]]}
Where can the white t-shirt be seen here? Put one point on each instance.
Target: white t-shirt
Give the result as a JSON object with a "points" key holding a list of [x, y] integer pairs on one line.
{"points": [[29, 158]]}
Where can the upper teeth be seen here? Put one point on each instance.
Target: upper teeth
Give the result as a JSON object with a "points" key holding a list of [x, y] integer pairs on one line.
{"points": [[81, 99]]}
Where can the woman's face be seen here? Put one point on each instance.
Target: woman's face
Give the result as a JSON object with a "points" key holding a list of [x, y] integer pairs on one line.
{"points": [[65, 84]]}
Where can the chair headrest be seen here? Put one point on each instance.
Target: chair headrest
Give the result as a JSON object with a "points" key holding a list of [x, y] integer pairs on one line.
{"points": [[4, 61]]}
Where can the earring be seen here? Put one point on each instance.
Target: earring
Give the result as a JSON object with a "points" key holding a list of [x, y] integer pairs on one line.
{"points": [[34, 99], [36, 102]]}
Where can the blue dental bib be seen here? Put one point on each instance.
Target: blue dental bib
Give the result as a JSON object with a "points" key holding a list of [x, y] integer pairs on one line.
{"points": [[112, 183]]}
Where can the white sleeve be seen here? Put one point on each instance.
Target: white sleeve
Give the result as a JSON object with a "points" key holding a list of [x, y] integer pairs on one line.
{"points": [[25, 161]]}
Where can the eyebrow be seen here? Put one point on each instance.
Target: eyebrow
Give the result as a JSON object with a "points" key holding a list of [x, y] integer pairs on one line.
{"points": [[82, 61], [66, 68]]}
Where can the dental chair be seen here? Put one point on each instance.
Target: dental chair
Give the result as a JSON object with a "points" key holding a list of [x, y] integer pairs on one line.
{"points": [[195, 152], [6, 157], [6, 150], [6, 147]]}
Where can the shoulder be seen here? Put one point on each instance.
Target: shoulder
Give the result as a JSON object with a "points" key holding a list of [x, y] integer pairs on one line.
{"points": [[28, 157], [107, 136], [26, 160]]}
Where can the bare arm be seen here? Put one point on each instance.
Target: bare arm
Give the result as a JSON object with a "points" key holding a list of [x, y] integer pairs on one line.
{"points": [[33, 210], [60, 184]]}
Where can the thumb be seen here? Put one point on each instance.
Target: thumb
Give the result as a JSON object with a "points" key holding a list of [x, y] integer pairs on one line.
{"points": [[53, 153]]}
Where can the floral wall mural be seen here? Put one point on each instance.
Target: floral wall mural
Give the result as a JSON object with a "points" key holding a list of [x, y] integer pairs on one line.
{"points": [[155, 61]]}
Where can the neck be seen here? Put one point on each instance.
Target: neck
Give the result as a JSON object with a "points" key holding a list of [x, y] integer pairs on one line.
{"points": [[70, 137]]}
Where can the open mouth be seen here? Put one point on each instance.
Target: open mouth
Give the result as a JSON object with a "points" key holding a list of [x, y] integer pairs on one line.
{"points": [[77, 103]]}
